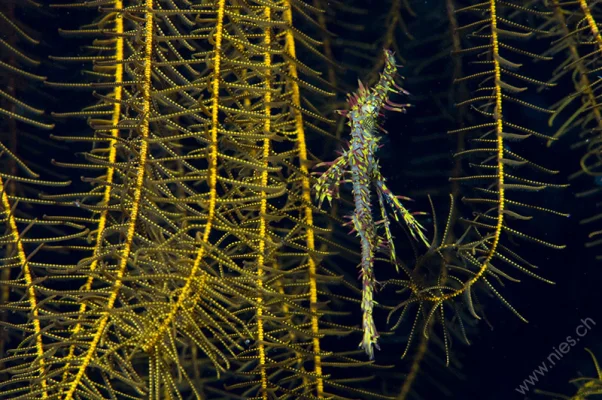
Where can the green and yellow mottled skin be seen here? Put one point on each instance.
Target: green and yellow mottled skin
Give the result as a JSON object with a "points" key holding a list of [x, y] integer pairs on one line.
{"points": [[360, 162]]}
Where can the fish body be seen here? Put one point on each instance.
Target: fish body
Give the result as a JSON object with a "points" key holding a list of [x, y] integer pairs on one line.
{"points": [[360, 162]]}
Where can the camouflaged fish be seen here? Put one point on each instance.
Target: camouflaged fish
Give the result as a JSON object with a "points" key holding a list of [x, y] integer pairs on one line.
{"points": [[358, 165]]}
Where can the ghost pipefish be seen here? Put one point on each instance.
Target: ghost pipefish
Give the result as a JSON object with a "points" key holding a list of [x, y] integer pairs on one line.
{"points": [[360, 163]]}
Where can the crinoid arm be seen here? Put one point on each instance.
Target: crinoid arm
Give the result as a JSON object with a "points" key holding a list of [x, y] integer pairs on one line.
{"points": [[476, 254]]}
